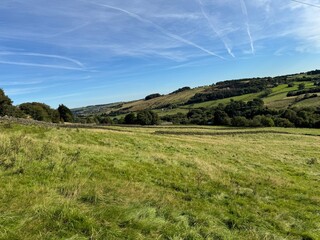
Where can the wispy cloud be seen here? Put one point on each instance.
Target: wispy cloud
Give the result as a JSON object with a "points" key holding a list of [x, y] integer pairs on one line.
{"points": [[27, 64], [118, 43], [161, 29], [214, 29], [78, 63], [245, 12]]}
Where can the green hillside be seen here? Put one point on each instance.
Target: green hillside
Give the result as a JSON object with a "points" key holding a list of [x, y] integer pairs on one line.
{"points": [[180, 102], [159, 183]]}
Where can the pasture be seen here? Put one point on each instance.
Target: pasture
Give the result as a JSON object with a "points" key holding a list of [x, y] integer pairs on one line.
{"points": [[170, 182]]}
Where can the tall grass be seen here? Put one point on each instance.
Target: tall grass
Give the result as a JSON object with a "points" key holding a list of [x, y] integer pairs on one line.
{"points": [[134, 184]]}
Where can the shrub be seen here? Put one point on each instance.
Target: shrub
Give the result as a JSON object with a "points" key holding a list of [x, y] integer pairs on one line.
{"points": [[283, 122], [239, 121], [151, 96], [130, 118], [147, 118]]}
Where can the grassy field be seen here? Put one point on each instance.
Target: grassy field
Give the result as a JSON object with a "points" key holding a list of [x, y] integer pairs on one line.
{"points": [[178, 98], [277, 100], [159, 183]]}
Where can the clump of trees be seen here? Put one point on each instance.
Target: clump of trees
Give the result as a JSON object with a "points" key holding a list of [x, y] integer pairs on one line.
{"points": [[314, 72], [181, 90], [65, 114], [151, 96], [6, 107], [250, 114], [303, 91], [145, 117], [34, 110], [233, 88], [40, 112]]}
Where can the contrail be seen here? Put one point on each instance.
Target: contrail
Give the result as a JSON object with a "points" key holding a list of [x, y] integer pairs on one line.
{"points": [[69, 30], [245, 12], [305, 3], [214, 29], [159, 28], [41, 65], [78, 63]]}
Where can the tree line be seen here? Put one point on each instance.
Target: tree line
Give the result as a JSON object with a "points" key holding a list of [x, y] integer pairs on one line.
{"points": [[232, 88], [34, 110], [250, 114]]}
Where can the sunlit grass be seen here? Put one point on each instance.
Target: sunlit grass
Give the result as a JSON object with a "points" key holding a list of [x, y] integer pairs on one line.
{"points": [[131, 183]]}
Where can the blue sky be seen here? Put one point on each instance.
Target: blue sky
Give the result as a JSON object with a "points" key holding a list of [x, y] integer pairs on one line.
{"points": [[84, 52]]}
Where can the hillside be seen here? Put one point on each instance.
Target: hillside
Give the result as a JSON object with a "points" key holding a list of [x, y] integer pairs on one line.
{"points": [[243, 89], [159, 183], [176, 99]]}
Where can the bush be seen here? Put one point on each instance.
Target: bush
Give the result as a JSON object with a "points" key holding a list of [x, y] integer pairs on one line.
{"points": [[65, 114], [301, 86], [283, 122], [267, 121], [239, 121], [151, 96], [40, 112], [147, 118], [181, 90], [130, 118]]}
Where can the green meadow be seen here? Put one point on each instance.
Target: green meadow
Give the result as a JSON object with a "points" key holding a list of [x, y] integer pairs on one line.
{"points": [[159, 183]]}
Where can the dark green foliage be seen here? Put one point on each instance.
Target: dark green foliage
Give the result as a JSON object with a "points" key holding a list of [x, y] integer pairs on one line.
{"points": [[266, 93], [4, 99], [151, 96], [40, 112], [103, 119], [178, 118], [304, 91], [130, 118], [221, 118], [239, 121], [283, 122], [290, 84], [197, 116], [250, 114], [314, 72], [181, 90], [6, 107], [65, 114], [266, 121], [233, 88], [301, 86], [147, 118]]}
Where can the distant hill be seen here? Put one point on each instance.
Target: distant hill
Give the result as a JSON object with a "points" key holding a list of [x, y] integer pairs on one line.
{"points": [[272, 90]]}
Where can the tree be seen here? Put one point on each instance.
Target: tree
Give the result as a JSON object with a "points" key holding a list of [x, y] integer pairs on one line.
{"points": [[301, 86], [65, 113], [147, 117], [130, 118], [283, 122], [6, 107], [239, 121], [221, 118], [265, 93], [267, 121], [151, 96], [40, 112]]}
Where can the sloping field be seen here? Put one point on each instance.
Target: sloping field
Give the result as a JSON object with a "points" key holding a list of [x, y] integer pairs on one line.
{"points": [[159, 183], [278, 98], [178, 98]]}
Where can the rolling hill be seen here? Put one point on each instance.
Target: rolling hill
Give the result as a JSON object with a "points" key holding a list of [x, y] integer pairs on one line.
{"points": [[181, 101]]}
